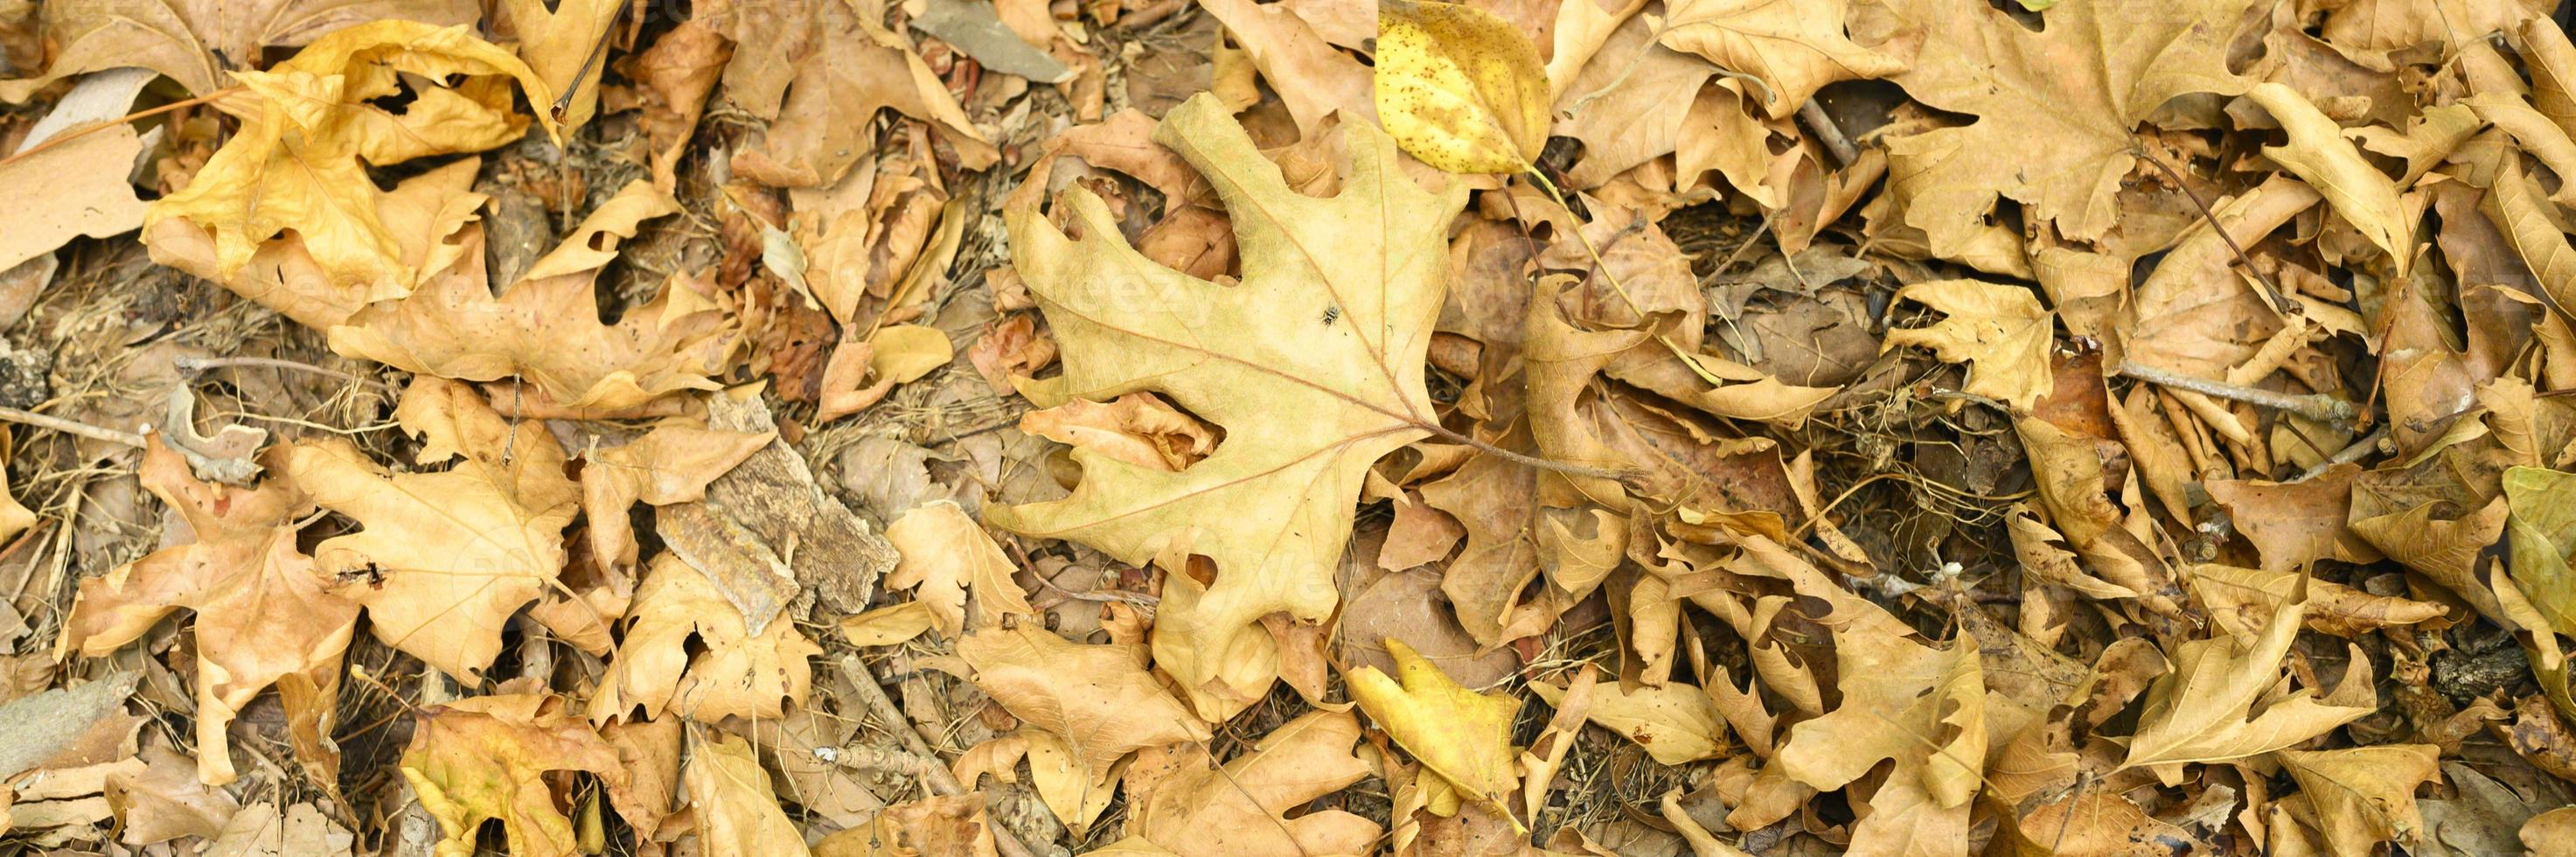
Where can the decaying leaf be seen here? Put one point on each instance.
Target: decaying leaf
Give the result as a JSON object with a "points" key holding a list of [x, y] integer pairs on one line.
{"points": [[1999, 328], [1460, 88], [485, 758], [2218, 703]]}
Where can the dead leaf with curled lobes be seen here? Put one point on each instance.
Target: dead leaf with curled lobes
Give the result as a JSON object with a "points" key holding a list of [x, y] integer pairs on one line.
{"points": [[2000, 329], [1313, 366], [2205, 710], [1242, 808], [945, 554], [1097, 702], [487, 757], [689, 654], [1462, 735], [1460, 88], [262, 609]]}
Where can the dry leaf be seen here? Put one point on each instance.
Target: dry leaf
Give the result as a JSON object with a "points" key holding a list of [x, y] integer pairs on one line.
{"points": [[197, 44], [262, 609], [1307, 403], [1460, 88], [1097, 702], [72, 189], [944, 553], [1462, 735], [688, 654], [444, 558], [1999, 328], [557, 40], [1677, 723], [950, 826], [1242, 808], [1137, 428], [1792, 50], [738, 814], [2205, 710], [2365, 795], [486, 757], [2318, 153], [2242, 600], [822, 69]]}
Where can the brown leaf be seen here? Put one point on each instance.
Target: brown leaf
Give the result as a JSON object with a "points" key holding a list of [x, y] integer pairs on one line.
{"points": [[688, 654], [484, 758], [1241, 808]]}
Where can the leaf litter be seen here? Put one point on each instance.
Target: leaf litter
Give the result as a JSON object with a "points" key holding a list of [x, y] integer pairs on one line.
{"points": [[1307, 427]]}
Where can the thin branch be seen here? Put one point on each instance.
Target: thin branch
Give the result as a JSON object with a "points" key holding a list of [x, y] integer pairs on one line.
{"points": [[2354, 452], [2279, 298], [66, 136], [201, 364], [69, 427], [1812, 115], [2315, 406]]}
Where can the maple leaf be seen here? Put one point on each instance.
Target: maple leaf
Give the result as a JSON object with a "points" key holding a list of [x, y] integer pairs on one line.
{"points": [[263, 610], [737, 810], [1921, 706], [689, 653], [2318, 152], [670, 464], [1098, 700], [546, 328], [196, 42], [1793, 49], [297, 162], [558, 41], [2000, 328], [1676, 723], [2056, 108], [458, 550], [944, 553], [1242, 808], [1313, 366], [424, 214], [2205, 709], [486, 757], [1462, 735]]}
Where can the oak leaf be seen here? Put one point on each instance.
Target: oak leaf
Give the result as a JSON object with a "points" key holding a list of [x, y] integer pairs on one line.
{"points": [[2056, 108], [2001, 329], [313, 123], [1312, 365], [263, 610], [1460, 88], [1676, 723], [2206, 709], [486, 757], [688, 654], [1241, 809], [456, 551], [944, 554], [1462, 735], [1793, 50], [546, 329], [670, 464], [1921, 707]]}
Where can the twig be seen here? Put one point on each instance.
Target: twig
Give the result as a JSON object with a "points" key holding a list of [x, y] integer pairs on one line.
{"points": [[2315, 406], [68, 427], [941, 781], [1812, 115], [200, 364], [2279, 298], [2351, 453]]}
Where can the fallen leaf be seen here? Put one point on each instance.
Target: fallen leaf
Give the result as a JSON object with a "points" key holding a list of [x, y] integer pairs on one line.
{"points": [[559, 42], [1999, 328], [1677, 723], [945, 553], [258, 830], [670, 464], [444, 558], [2242, 600], [1137, 428], [166, 801], [263, 610], [1922, 707], [1311, 78], [1242, 808], [2365, 795], [2205, 709], [951, 826], [687, 653], [297, 162], [1306, 406], [2294, 524], [2318, 152], [195, 44], [75, 188], [1460, 88], [822, 69], [738, 814], [486, 757], [1791, 50], [886, 626], [1098, 701], [2541, 524], [1462, 735]]}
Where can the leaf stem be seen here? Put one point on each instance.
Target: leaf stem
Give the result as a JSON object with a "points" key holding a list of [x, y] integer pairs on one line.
{"points": [[59, 139]]}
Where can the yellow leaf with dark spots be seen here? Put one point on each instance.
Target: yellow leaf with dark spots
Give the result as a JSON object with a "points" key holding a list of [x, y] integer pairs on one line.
{"points": [[1459, 88]]}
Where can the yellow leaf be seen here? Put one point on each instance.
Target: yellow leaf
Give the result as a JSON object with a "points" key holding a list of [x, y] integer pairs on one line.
{"points": [[1460, 88], [563, 46], [944, 554], [486, 757], [1097, 703], [732, 673], [2205, 709], [2000, 328], [2365, 795], [1306, 404], [2319, 153], [458, 551], [1677, 723], [905, 352], [737, 810], [297, 162], [886, 626], [1462, 735]]}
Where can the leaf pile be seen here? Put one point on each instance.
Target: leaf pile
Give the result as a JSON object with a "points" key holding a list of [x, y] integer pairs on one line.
{"points": [[1218, 427]]}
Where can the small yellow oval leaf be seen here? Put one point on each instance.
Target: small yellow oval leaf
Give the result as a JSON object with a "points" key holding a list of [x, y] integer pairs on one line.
{"points": [[1459, 88]]}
